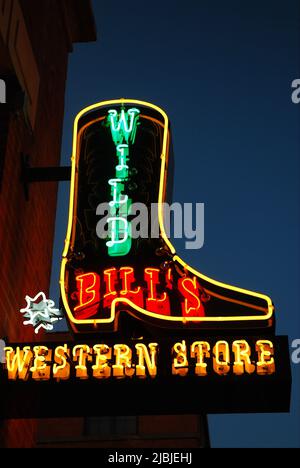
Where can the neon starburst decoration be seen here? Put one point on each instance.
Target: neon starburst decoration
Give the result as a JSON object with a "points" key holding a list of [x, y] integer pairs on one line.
{"points": [[41, 312]]}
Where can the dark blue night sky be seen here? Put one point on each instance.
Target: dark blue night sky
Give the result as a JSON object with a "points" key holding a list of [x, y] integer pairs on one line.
{"points": [[223, 72]]}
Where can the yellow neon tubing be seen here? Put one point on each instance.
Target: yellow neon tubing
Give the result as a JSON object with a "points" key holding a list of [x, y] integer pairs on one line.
{"points": [[162, 230]]}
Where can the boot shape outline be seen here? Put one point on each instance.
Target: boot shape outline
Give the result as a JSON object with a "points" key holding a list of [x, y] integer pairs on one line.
{"points": [[122, 152]]}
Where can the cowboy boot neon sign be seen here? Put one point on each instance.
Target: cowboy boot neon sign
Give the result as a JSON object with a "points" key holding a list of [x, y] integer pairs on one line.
{"points": [[141, 277]]}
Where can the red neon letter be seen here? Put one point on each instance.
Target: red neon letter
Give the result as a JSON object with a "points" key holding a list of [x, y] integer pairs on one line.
{"points": [[192, 306], [169, 279], [88, 287], [159, 305], [135, 295], [110, 279]]}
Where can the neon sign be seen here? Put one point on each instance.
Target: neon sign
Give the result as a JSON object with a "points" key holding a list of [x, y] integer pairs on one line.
{"points": [[153, 294], [40, 312], [121, 155], [120, 361], [123, 127]]}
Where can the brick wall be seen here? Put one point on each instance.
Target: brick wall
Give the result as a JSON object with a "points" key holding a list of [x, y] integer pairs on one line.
{"points": [[37, 39]]}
